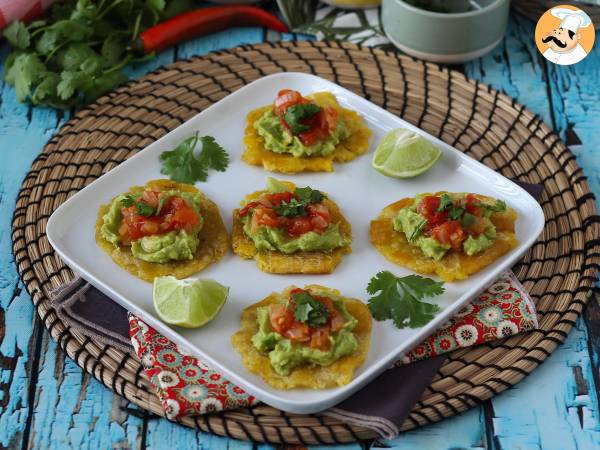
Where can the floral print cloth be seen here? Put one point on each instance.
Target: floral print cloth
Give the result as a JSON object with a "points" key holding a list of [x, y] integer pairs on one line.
{"points": [[186, 386]]}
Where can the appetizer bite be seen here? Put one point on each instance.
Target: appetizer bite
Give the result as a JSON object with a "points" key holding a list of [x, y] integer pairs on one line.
{"points": [[304, 338], [298, 134], [162, 228], [452, 235], [290, 230]]}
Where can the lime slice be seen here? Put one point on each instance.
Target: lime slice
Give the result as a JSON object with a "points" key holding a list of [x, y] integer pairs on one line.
{"points": [[404, 154], [188, 303]]}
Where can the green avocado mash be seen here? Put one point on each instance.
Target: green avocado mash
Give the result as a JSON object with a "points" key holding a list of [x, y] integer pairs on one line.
{"points": [[411, 223], [279, 140], [285, 355], [160, 248], [268, 238]]}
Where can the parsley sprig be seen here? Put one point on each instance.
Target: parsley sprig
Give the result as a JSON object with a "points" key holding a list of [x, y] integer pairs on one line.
{"points": [[400, 299], [188, 164], [309, 310]]}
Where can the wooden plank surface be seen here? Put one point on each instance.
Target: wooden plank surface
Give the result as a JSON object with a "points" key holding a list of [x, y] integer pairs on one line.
{"points": [[46, 402]]}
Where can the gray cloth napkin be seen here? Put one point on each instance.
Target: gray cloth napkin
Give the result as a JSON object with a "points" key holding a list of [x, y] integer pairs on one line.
{"points": [[382, 405]]}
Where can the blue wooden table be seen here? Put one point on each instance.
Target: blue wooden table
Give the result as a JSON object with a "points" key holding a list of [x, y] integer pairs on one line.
{"points": [[46, 401]]}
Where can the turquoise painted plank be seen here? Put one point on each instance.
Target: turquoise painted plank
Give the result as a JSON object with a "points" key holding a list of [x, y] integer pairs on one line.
{"points": [[22, 132], [564, 415]]}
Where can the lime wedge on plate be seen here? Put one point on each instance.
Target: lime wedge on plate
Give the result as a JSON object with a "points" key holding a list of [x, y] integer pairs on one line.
{"points": [[188, 303], [403, 153]]}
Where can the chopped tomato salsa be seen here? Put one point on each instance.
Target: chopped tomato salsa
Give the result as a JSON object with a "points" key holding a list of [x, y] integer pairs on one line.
{"points": [[446, 222], [283, 321], [266, 211], [320, 125], [174, 214]]}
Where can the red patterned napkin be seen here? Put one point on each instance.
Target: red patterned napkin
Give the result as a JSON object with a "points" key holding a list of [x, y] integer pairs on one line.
{"points": [[186, 386]]}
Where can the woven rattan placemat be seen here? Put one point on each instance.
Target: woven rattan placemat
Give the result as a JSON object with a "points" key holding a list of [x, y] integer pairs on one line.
{"points": [[559, 270]]}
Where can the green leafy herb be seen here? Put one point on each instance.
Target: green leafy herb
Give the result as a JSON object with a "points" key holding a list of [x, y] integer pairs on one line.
{"points": [[445, 202], [162, 199], [309, 195], [400, 299], [79, 50], [297, 206], [498, 206], [143, 208], [467, 220], [293, 208], [296, 113], [309, 310], [417, 230], [181, 164], [455, 212]]}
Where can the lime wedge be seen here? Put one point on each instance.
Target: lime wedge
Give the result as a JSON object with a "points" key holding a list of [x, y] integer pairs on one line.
{"points": [[188, 303], [404, 154]]}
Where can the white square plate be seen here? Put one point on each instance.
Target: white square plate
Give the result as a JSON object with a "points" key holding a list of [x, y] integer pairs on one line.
{"points": [[361, 193]]}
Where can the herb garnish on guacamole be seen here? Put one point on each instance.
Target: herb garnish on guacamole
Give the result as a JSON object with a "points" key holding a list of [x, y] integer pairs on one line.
{"points": [[291, 221], [441, 222], [298, 126], [308, 327], [158, 226]]}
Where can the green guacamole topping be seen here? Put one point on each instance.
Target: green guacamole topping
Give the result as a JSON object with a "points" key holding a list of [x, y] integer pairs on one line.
{"points": [[268, 238], [285, 354], [411, 223], [161, 248], [279, 140]]}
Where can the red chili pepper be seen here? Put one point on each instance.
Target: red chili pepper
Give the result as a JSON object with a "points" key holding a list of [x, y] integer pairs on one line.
{"points": [[205, 21]]}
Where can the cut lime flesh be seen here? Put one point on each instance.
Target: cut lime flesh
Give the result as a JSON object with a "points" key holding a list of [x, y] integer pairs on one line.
{"points": [[402, 153], [187, 303]]}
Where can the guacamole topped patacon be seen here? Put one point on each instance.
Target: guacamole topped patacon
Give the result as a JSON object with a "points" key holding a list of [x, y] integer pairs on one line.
{"points": [[163, 228], [311, 337]]}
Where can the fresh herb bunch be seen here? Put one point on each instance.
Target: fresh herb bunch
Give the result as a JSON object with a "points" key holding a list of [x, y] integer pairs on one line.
{"points": [[183, 165], [297, 206], [78, 51], [400, 299], [309, 310]]}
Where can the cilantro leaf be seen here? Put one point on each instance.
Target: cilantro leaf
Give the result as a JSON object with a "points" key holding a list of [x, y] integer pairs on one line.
{"points": [[309, 310], [445, 202], [498, 206], [128, 200], [142, 208], [294, 114], [162, 199], [182, 165], [309, 195], [293, 208], [455, 212], [399, 299], [17, 35], [467, 220]]}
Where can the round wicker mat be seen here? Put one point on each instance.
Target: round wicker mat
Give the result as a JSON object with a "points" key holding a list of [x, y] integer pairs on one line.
{"points": [[558, 271]]}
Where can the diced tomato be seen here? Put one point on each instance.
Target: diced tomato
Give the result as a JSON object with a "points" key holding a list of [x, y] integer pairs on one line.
{"points": [[450, 233], [151, 198], [278, 198], [472, 205], [265, 216], [280, 317], [246, 209], [322, 125], [176, 214], [286, 98], [299, 332], [428, 208], [319, 338], [337, 322], [299, 225]]}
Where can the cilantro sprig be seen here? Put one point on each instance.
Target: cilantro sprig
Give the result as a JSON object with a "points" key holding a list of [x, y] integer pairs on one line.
{"points": [[187, 163], [142, 208], [296, 207], [309, 310], [77, 52], [400, 299], [296, 113]]}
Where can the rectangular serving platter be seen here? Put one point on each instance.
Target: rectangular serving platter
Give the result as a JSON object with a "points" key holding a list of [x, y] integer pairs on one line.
{"points": [[359, 190]]}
